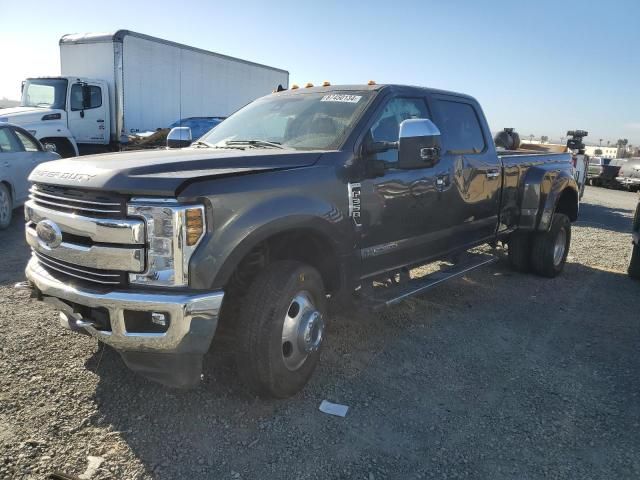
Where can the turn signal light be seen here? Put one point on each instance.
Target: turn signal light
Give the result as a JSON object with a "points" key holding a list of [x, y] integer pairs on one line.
{"points": [[195, 226]]}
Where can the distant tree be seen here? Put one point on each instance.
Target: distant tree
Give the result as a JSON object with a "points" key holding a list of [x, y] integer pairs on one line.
{"points": [[544, 139], [531, 137], [608, 142], [600, 143], [597, 152]]}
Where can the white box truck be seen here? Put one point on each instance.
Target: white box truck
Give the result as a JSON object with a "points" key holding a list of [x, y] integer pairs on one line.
{"points": [[114, 85]]}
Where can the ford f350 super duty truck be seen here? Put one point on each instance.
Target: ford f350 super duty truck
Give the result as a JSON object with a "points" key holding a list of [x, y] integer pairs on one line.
{"points": [[304, 198]]}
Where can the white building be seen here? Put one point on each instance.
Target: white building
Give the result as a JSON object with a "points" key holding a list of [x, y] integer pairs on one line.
{"points": [[605, 152]]}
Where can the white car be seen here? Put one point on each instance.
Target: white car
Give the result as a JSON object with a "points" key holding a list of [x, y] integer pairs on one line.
{"points": [[20, 153]]}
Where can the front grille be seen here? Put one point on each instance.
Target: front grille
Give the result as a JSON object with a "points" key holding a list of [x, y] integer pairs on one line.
{"points": [[73, 274], [79, 202]]}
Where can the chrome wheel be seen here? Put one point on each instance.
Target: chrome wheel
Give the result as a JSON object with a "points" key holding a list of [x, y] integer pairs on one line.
{"points": [[559, 247], [5, 206], [302, 331]]}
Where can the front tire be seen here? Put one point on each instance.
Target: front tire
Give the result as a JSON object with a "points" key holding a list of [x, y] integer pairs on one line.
{"points": [[280, 329], [550, 249], [6, 206]]}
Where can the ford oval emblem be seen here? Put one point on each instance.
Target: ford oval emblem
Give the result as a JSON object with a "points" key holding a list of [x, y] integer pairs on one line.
{"points": [[49, 234]]}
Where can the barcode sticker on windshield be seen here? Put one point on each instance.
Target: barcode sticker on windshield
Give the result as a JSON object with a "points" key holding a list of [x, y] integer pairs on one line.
{"points": [[341, 98]]}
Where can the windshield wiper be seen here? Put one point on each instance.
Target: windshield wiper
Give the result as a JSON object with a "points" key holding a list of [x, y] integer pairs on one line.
{"points": [[254, 143], [202, 143]]}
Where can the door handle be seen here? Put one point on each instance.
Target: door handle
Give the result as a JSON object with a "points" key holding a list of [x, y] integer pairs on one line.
{"points": [[100, 120], [491, 174]]}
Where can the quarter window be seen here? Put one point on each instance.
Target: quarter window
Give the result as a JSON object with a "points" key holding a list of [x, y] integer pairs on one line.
{"points": [[386, 128], [28, 144], [94, 99], [460, 127]]}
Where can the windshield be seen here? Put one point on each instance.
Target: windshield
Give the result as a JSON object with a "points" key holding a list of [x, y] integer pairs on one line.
{"points": [[306, 121], [44, 92]]}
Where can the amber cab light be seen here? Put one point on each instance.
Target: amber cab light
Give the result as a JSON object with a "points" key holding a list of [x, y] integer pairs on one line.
{"points": [[195, 225]]}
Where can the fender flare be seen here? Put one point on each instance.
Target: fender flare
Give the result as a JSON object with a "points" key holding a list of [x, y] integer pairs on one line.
{"points": [[232, 241], [542, 190]]}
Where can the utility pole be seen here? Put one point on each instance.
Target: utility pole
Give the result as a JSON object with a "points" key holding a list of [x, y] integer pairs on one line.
{"points": [[600, 143]]}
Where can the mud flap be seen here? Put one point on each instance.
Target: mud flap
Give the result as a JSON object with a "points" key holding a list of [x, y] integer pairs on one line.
{"points": [[170, 369]]}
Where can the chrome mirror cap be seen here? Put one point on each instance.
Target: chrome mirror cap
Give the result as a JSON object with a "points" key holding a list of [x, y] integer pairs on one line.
{"points": [[418, 127], [179, 137]]}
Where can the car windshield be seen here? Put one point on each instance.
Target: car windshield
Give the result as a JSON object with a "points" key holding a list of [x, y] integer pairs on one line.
{"points": [[44, 92], [305, 121]]}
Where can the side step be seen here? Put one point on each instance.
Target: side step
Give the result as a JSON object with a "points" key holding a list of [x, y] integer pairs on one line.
{"points": [[385, 296]]}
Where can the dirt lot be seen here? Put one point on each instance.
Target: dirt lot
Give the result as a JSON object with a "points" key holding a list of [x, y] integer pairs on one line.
{"points": [[496, 375]]}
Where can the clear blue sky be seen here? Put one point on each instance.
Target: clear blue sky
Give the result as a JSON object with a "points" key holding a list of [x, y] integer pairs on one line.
{"points": [[543, 67]]}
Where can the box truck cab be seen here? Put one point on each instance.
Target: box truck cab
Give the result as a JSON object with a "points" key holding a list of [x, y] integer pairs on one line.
{"points": [[64, 111], [117, 84]]}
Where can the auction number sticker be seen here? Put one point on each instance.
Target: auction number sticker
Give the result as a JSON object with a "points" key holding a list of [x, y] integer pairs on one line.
{"points": [[336, 97]]}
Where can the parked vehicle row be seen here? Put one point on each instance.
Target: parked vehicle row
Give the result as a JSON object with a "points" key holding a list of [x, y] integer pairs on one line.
{"points": [[615, 173], [302, 199]]}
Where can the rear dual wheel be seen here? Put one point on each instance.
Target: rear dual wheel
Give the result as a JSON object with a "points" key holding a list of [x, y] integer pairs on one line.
{"points": [[545, 253]]}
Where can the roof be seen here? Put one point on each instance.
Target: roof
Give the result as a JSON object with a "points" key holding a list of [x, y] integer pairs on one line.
{"points": [[119, 35], [375, 87]]}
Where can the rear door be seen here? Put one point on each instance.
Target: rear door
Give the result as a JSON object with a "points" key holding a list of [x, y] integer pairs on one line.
{"points": [[476, 172], [88, 121]]}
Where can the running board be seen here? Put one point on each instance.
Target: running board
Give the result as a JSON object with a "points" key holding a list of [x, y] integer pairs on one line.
{"points": [[386, 296]]}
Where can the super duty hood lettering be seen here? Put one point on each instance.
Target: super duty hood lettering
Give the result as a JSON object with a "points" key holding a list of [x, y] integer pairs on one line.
{"points": [[163, 172]]}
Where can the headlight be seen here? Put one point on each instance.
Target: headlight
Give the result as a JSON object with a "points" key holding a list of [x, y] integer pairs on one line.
{"points": [[173, 232]]}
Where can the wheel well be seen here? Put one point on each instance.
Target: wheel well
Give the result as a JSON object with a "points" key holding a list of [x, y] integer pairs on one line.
{"points": [[568, 204], [9, 187], [67, 143], [304, 245]]}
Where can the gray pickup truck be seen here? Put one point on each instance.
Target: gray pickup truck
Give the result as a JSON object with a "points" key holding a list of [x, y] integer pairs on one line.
{"points": [[303, 200]]}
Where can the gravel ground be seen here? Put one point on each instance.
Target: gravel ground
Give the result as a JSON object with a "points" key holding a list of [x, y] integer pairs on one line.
{"points": [[495, 375]]}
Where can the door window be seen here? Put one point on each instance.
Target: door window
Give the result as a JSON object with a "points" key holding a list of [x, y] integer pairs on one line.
{"points": [[29, 144], [460, 127], [94, 99], [8, 141], [386, 127]]}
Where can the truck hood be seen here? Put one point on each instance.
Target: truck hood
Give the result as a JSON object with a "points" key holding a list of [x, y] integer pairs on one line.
{"points": [[164, 172], [22, 115]]}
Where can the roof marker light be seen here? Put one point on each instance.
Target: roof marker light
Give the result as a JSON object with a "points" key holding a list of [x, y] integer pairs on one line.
{"points": [[308, 85], [326, 83], [294, 86], [371, 82]]}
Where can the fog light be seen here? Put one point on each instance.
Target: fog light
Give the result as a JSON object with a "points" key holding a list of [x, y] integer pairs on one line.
{"points": [[159, 319]]}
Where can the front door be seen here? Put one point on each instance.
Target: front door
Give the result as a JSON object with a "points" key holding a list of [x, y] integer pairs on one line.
{"points": [[402, 213], [88, 121]]}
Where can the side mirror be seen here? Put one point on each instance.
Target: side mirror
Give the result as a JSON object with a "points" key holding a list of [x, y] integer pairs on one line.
{"points": [[418, 144], [179, 137]]}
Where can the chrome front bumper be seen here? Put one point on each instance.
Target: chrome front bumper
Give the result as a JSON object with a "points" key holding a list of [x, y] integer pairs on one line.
{"points": [[192, 323]]}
